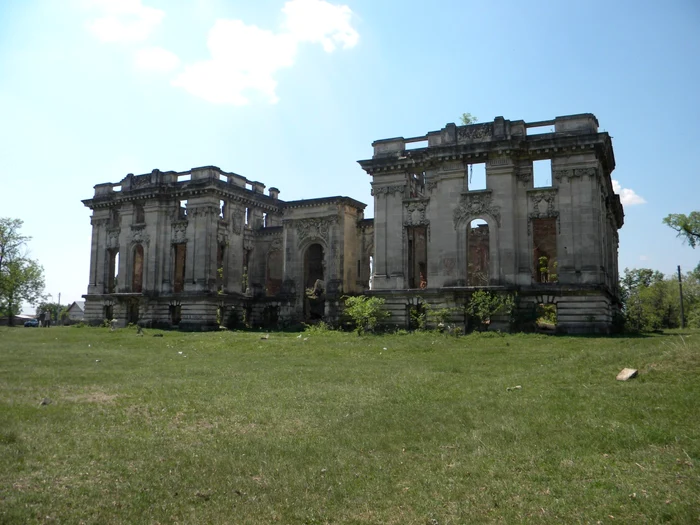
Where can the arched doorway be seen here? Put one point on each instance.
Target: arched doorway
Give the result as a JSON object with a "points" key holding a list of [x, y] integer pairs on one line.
{"points": [[314, 282], [478, 253]]}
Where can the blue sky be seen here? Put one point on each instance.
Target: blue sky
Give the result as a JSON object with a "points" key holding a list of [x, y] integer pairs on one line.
{"points": [[293, 94]]}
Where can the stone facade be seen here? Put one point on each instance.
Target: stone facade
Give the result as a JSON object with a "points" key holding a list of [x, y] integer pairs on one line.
{"points": [[556, 243], [201, 247], [196, 248]]}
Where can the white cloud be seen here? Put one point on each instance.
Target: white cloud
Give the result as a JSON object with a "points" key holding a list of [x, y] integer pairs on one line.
{"points": [[643, 257], [156, 59], [628, 197], [320, 22], [244, 58], [124, 20]]}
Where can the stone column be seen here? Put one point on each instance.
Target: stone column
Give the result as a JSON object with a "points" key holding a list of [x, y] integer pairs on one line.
{"points": [[202, 218], [501, 180], [389, 234]]}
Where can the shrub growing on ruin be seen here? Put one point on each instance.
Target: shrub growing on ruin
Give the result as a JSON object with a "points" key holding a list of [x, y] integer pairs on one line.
{"points": [[366, 312]]}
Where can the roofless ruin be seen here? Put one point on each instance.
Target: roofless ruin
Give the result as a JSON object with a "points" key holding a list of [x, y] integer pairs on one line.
{"points": [[198, 248]]}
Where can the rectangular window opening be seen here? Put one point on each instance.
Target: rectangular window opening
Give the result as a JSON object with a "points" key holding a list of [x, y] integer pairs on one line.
{"points": [[247, 217], [476, 177], [223, 178], [418, 144], [222, 209], [182, 210], [542, 173], [540, 130], [184, 178], [265, 224]]}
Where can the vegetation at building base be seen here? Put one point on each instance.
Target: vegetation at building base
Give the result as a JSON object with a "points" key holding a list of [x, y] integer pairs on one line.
{"points": [[365, 312], [226, 427]]}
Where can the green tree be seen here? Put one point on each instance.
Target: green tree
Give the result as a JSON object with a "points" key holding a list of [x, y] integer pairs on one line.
{"points": [[366, 312], [483, 305], [468, 118], [652, 302], [55, 309], [687, 226], [21, 278]]}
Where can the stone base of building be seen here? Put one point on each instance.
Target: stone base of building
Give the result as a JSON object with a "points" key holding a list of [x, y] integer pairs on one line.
{"points": [[579, 310], [205, 312]]}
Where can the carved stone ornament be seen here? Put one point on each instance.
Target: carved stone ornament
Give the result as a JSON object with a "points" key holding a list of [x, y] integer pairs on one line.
{"points": [[473, 205], [139, 235], [204, 211], [474, 132], [431, 185], [99, 222], [140, 181], [276, 245], [179, 234], [523, 175], [500, 161], [574, 173], [236, 218], [386, 190], [543, 207], [315, 228], [113, 237], [414, 213], [222, 236]]}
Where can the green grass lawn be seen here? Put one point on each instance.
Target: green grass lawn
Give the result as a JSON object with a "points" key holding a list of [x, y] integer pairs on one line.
{"points": [[334, 428]]}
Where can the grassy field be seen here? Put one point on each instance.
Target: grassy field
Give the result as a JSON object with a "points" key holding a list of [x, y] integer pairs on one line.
{"points": [[334, 428]]}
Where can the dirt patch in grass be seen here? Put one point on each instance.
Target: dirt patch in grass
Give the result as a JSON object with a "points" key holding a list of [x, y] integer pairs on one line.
{"points": [[94, 396]]}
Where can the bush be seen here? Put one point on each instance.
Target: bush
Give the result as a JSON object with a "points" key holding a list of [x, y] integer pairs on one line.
{"points": [[483, 305], [366, 312]]}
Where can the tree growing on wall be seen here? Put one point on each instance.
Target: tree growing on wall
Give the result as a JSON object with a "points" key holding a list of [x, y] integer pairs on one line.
{"points": [[21, 278], [468, 118], [687, 226]]}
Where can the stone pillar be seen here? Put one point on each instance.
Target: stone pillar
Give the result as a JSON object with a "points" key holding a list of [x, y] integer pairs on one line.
{"points": [[389, 253], [444, 188], [98, 252], [202, 218], [501, 180]]}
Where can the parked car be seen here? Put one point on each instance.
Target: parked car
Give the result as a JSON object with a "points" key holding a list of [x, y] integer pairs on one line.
{"points": [[32, 323]]}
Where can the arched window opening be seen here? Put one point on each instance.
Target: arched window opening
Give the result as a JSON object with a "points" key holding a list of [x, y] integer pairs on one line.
{"points": [[314, 282], [478, 248], [546, 317], [137, 274]]}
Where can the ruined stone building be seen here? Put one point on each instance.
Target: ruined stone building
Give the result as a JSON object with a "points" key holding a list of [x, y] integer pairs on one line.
{"points": [[550, 242], [203, 247]]}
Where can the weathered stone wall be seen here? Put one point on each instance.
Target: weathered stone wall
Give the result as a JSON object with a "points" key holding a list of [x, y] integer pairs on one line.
{"points": [[572, 221], [193, 247]]}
